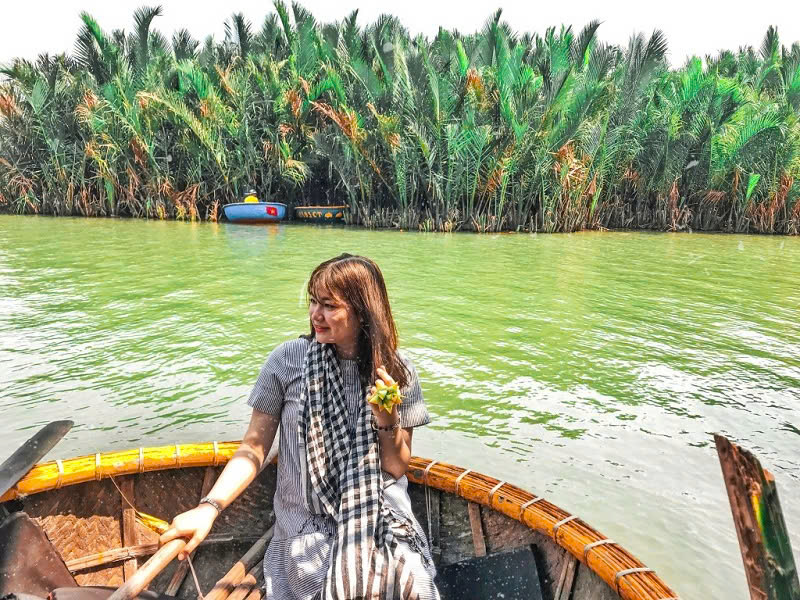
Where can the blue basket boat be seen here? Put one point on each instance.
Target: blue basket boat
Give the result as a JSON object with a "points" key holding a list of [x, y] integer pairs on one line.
{"points": [[254, 212]]}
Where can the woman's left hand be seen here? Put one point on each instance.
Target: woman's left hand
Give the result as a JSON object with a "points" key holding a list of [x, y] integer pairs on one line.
{"points": [[383, 418]]}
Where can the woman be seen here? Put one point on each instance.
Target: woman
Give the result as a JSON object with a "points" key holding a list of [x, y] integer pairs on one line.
{"points": [[343, 522]]}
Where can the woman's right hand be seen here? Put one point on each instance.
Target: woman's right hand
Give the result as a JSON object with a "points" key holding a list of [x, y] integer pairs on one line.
{"points": [[193, 525]]}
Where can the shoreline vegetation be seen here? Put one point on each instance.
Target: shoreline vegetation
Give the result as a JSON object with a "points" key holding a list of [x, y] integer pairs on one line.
{"points": [[490, 131]]}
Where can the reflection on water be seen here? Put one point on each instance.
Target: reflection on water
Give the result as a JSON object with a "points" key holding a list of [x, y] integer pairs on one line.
{"points": [[591, 367]]}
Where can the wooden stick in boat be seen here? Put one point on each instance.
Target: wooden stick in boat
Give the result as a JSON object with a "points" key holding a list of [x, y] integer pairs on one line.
{"points": [[149, 570], [119, 554], [478, 540], [567, 578], [236, 574], [249, 583], [255, 594], [110, 556], [183, 568], [760, 527], [130, 537]]}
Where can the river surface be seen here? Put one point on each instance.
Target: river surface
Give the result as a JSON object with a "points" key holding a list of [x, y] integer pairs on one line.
{"points": [[593, 367]]}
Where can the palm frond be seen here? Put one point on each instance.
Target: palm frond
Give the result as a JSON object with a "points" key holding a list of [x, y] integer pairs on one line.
{"points": [[143, 19]]}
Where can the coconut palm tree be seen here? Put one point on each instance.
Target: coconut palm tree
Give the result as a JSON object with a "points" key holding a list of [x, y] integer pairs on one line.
{"points": [[486, 131]]}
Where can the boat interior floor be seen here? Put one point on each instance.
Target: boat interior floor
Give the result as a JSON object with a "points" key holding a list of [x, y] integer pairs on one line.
{"points": [[99, 593], [32, 569], [509, 575], [88, 592]]}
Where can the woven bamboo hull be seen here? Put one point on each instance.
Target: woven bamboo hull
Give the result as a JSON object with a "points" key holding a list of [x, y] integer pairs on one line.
{"points": [[467, 513]]}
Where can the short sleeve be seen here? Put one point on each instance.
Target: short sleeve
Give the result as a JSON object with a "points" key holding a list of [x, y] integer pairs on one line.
{"points": [[270, 388], [413, 412]]}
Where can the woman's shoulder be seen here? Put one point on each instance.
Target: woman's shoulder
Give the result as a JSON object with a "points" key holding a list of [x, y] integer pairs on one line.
{"points": [[295, 345], [288, 353]]}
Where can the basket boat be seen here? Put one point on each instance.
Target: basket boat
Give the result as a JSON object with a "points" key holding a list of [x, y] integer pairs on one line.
{"points": [[465, 513], [254, 212], [320, 214]]}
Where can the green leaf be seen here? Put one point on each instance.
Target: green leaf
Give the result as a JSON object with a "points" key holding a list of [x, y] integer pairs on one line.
{"points": [[463, 60], [109, 194], [752, 182], [38, 96]]}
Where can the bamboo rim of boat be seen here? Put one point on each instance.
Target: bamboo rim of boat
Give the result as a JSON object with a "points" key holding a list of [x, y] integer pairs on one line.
{"points": [[622, 571]]}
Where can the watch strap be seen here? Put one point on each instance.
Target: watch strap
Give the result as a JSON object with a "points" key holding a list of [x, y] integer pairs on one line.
{"points": [[212, 502]]}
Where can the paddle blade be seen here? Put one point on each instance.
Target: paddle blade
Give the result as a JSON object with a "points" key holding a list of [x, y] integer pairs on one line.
{"points": [[18, 464]]}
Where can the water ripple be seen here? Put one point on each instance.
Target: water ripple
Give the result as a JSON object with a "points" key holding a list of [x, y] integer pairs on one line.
{"points": [[584, 366]]}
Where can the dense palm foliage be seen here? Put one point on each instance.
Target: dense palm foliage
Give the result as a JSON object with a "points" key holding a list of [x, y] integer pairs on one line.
{"points": [[489, 131]]}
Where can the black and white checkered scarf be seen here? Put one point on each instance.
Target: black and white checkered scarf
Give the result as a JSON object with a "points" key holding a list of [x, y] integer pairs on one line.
{"points": [[342, 478]]}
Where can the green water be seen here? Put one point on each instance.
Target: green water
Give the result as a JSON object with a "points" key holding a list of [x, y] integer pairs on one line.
{"points": [[592, 367]]}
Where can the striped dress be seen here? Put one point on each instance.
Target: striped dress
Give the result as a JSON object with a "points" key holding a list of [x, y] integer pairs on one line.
{"points": [[297, 558]]}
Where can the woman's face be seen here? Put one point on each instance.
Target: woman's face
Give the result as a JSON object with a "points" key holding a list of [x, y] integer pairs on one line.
{"points": [[334, 322]]}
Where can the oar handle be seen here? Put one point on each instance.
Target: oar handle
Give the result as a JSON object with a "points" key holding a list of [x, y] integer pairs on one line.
{"points": [[149, 570]]}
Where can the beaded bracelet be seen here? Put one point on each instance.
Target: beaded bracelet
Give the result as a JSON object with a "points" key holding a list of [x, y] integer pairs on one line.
{"points": [[392, 427], [212, 502]]}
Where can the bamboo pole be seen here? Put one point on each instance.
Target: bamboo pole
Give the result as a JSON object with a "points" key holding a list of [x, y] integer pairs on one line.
{"points": [[237, 572], [255, 594], [248, 583], [763, 538]]}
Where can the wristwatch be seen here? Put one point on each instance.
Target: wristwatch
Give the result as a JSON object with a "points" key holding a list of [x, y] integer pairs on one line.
{"points": [[212, 502]]}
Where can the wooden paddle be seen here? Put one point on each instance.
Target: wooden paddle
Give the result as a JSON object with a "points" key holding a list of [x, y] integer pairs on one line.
{"points": [[158, 562], [149, 570], [31, 452]]}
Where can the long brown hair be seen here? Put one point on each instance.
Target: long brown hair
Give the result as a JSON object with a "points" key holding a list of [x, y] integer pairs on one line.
{"points": [[358, 281]]}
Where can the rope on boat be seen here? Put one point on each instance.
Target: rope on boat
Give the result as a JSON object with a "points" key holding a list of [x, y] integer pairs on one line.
{"points": [[216, 454], [124, 497], [494, 490], [560, 523], [428, 501], [98, 475], [194, 576], [588, 547], [458, 481], [428, 470], [620, 574], [177, 456], [141, 460], [533, 500], [60, 479], [149, 521]]}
